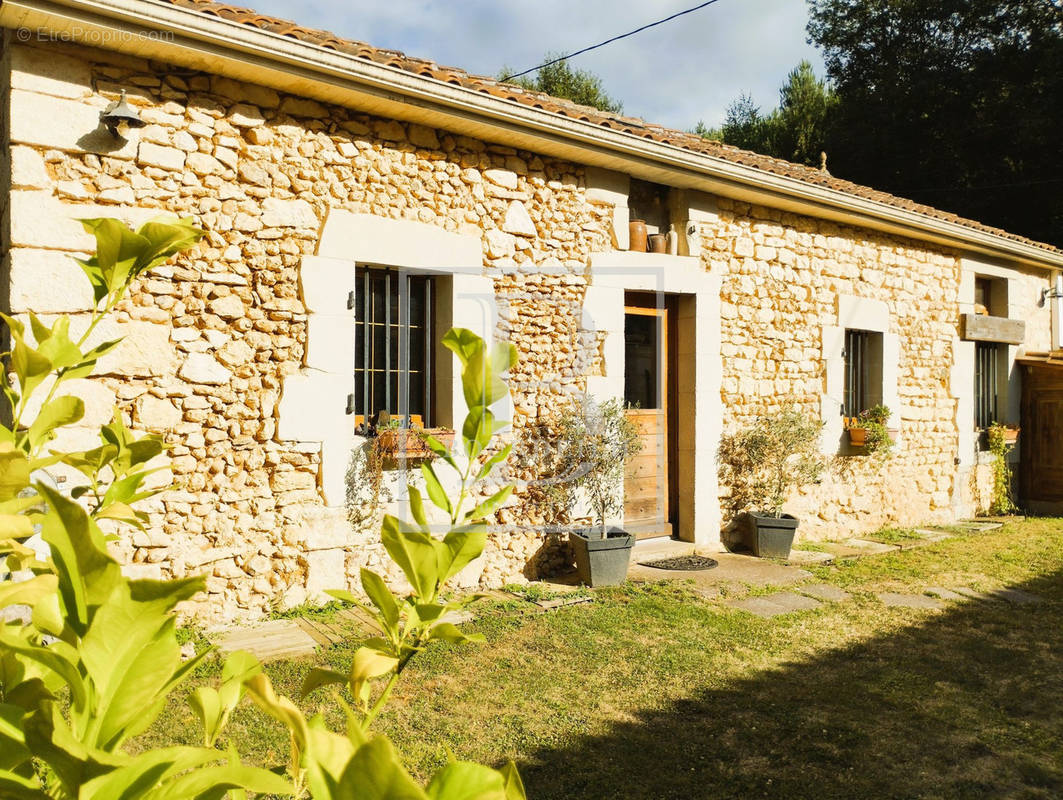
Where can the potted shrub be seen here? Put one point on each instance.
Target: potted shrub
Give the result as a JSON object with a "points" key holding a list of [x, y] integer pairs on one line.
{"points": [[595, 442], [761, 464], [869, 429]]}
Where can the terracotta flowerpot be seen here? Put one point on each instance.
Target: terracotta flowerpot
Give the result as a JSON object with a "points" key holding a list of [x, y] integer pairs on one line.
{"points": [[637, 236], [658, 243], [857, 436], [1011, 435]]}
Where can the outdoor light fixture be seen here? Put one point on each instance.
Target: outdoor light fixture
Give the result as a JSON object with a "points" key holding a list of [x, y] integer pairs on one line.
{"points": [[119, 117]]}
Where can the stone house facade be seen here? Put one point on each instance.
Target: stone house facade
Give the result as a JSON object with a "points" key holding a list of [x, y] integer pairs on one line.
{"points": [[314, 164]]}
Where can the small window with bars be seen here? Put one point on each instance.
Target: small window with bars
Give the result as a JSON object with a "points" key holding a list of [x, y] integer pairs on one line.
{"points": [[858, 393], [986, 361], [393, 346]]}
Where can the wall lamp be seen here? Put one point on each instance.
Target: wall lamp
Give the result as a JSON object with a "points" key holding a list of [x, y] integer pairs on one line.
{"points": [[120, 117]]}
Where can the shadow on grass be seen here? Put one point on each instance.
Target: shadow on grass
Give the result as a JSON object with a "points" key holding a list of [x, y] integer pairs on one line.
{"points": [[964, 705]]}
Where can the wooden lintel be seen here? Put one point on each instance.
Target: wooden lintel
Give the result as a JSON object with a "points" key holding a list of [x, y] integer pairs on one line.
{"points": [[982, 328]]}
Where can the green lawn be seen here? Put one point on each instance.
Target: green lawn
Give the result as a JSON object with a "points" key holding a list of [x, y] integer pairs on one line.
{"points": [[652, 692]]}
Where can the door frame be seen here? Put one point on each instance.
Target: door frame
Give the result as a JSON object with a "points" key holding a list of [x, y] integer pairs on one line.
{"points": [[664, 305]]}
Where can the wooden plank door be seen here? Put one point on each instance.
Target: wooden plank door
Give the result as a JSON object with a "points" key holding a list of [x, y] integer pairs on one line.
{"points": [[1041, 439], [647, 510]]}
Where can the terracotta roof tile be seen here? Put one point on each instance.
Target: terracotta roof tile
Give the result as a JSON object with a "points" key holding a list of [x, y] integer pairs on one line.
{"points": [[566, 108]]}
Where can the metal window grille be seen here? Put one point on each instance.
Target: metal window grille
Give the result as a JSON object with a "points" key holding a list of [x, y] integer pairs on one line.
{"points": [[985, 383], [857, 373], [393, 345]]}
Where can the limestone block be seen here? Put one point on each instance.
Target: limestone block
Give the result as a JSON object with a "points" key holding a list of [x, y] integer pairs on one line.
{"points": [[156, 413], [325, 284], [288, 214], [145, 349], [319, 529], [44, 281], [203, 164], [46, 71], [155, 155], [421, 136], [236, 90], [313, 406], [120, 195], [607, 187], [517, 220], [62, 124], [244, 115], [330, 343], [204, 368], [236, 353], [324, 570], [228, 307], [40, 220], [398, 242], [99, 400], [499, 244], [28, 170], [389, 130], [303, 107], [502, 177]]}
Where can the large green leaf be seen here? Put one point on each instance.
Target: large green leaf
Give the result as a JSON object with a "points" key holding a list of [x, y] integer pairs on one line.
{"points": [[488, 506], [61, 411], [369, 663], [461, 546], [375, 773], [382, 598], [14, 471], [415, 553], [435, 490], [461, 780]]}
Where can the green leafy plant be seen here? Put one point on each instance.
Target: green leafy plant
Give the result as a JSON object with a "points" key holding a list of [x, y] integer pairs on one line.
{"points": [[89, 657], [762, 463], [874, 421], [594, 443], [999, 446]]}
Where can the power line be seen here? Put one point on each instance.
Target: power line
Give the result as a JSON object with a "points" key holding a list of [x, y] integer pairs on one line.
{"points": [[610, 41]]}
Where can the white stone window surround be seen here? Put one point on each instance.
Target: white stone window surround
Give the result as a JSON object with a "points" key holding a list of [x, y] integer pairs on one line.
{"points": [[864, 314], [612, 274], [313, 402]]}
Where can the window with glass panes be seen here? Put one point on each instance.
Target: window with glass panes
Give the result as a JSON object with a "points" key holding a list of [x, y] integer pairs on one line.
{"points": [[986, 359], [393, 345], [857, 372]]}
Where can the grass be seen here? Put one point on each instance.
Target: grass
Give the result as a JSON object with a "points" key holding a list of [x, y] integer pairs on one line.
{"points": [[653, 692], [894, 535]]}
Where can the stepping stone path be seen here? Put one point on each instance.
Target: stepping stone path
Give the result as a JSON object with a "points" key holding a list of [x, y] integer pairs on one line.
{"points": [[814, 557], [895, 600], [773, 605], [943, 594], [825, 591]]}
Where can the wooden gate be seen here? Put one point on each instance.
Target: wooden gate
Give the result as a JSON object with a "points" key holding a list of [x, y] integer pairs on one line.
{"points": [[1041, 438]]}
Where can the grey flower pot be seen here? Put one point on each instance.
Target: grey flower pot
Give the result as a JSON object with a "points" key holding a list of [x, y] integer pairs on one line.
{"points": [[770, 536], [601, 562]]}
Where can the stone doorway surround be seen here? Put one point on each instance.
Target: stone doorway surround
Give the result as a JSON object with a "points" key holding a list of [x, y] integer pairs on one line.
{"points": [[698, 387], [313, 403]]}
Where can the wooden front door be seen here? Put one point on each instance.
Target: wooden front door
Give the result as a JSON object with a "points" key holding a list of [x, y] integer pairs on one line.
{"points": [[648, 504], [1041, 439]]}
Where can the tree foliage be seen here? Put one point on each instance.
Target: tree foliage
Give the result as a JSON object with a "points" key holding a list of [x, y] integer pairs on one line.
{"points": [[560, 80], [796, 130], [953, 103]]}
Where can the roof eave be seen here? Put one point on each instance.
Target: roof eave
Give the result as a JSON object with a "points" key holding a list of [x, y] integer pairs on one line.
{"points": [[246, 53]]}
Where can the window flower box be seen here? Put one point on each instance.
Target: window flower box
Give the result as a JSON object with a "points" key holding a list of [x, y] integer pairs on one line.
{"points": [[409, 443]]}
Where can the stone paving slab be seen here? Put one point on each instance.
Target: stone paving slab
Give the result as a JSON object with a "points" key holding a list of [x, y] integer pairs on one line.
{"points": [[929, 535], [270, 640], [870, 546], [980, 525], [974, 595], [825, 591], [813, 557], [733, 569], [896, 600], [773, 605], [944, 594], [1016, 597]]}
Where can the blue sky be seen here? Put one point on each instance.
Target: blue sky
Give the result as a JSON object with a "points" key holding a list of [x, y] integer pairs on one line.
{"points": [[674, 74]]}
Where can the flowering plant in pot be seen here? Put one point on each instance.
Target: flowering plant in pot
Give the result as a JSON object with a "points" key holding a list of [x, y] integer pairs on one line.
{"points": [[761, 464], [870, 430], [595, 442]]}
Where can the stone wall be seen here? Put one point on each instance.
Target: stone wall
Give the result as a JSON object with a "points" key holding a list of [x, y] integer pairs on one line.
{"points": [[782, 276], [210, 339]]}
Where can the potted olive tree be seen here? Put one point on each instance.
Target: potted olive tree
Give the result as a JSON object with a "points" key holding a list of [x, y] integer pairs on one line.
{"points": [[761, 464], [595, 442]]}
